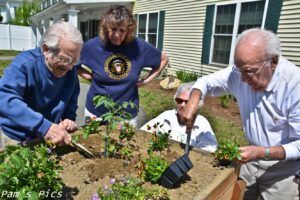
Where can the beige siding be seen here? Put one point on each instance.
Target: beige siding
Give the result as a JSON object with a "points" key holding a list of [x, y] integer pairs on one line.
{"points": [[183, 31], [289, 30], [184, 24]]}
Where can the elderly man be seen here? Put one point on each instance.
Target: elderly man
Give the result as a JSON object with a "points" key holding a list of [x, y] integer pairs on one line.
{"points": [[202, 136], [39, 89], [267, 89]]}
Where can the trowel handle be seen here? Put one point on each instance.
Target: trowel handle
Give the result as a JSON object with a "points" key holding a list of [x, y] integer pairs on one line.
{"points": [[187, 144]]}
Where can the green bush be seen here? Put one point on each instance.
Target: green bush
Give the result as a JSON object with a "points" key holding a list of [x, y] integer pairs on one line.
{"points": [[185, 76], [30, 173], [154, 167]]}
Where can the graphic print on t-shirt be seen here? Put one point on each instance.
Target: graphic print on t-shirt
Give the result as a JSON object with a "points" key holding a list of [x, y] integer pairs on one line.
{"points": [[117, 66]]}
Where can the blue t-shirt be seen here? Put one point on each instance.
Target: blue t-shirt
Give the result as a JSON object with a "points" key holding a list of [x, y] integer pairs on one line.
{"points": [[31, 97], [116, 70]]}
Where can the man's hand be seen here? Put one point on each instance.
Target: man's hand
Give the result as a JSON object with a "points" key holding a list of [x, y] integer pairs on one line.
{"points": [[58, 135], [68, 125], [249, 153], [189, 113]]}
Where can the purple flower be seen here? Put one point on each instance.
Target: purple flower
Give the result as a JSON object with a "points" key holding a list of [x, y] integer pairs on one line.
{"points": [[105, 187], [49, 151], [95, 196], [112, 180]]}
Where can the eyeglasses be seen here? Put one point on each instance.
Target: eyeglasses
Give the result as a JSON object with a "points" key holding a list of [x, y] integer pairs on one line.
{"points": [[180, 101], [250, 73], [65, 60]]}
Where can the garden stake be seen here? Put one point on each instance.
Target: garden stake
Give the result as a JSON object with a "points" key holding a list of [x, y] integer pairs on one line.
{"points": [[176, 171]]}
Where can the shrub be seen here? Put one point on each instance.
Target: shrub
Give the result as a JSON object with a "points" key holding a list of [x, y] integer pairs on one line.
{"points": [[152, 168], [30, 174], [226, 99], [185, 76]]}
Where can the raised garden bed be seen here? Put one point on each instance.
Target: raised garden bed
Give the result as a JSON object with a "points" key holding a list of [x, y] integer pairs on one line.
{"points": [[84, 176]]}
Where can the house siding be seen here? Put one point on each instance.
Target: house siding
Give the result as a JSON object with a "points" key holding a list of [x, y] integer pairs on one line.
{"points": [[184, 26], [183, 31], [289, 30]]}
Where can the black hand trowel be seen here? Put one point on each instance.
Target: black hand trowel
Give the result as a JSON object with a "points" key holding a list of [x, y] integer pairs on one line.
{"points": [[173, 175]]}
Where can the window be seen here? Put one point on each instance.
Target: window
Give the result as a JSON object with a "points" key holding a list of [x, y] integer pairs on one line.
{"points": [[231, 20], [89, 29], [147, 27]]}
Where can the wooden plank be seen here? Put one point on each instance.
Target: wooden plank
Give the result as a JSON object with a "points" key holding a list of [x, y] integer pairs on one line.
{"points": [[239, 190]]}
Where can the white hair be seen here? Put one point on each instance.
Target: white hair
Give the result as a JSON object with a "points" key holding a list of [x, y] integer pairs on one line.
{"points": [[60, 30], [272, 42], [186, 87]]}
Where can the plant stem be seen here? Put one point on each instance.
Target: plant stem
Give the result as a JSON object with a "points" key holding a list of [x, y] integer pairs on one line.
{"points": [[106, 140]]}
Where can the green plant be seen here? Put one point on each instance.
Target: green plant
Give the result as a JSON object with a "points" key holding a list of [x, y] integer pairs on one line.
{"points": [[115, 115], [159, 140], [185, 76], [227, 150], [30, 173], [129, 188], [25, 11], [152, 168], [126, 132], [225, 100], [92, 128]]}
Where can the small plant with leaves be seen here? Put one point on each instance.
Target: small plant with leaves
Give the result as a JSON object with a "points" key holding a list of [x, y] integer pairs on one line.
{"points": [[160, 140], [227, 152], [129, 188], [126, 131], [92, 128], [185, 76], [152, 168], [115, 115], [27, 172], [226, 99]]}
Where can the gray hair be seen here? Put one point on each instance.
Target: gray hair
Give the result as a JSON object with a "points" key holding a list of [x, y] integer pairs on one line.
{"points": [[60, 30], [272, 42], [186, 87]]}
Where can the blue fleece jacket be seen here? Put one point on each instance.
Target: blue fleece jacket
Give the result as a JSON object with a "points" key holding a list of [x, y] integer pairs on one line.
{"points": [[32, 98]]}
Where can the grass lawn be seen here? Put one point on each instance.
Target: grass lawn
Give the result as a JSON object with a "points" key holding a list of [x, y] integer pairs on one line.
{"points": [[3, 65], [8, 53]]}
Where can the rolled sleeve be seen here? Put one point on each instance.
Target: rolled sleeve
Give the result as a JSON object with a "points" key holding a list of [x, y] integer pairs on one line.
{"points": [[292, 150]]}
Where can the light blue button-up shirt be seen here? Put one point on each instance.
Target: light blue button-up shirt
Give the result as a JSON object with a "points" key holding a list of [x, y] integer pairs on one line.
{"points": [[269, 118]]}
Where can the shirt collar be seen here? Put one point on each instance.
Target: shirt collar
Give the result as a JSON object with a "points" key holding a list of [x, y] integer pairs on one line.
{"points": [[276, 76]]}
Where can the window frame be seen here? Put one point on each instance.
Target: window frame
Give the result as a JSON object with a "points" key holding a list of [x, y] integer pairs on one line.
{"points": [[147, 25], [234, 34]]}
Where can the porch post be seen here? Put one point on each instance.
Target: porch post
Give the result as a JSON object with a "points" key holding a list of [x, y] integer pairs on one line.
{"points": [[73, 17]]}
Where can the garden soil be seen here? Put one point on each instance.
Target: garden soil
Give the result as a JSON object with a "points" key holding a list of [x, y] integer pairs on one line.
{"points": [[84, 176]]}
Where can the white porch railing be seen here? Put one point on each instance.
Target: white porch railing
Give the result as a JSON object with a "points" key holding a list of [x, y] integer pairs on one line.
{"points": [[17, 38]]}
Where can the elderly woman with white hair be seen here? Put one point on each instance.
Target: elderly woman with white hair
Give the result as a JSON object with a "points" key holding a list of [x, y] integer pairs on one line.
{"points": [[202, 135], [39, 89]]}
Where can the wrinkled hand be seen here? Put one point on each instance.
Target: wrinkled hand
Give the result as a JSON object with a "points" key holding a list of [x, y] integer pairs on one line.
{"points": [[249, 153], [68, 125], [58, 135]]}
